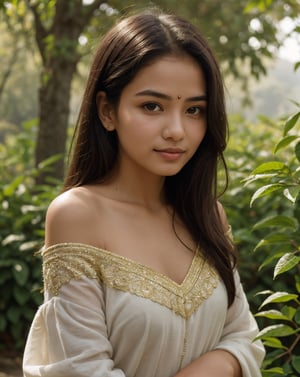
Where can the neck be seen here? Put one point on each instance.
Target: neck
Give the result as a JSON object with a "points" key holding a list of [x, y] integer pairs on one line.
{"points": [[138, 188]]}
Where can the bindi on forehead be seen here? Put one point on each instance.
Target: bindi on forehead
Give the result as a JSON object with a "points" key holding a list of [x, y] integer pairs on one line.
{"points": [[178, 97]]}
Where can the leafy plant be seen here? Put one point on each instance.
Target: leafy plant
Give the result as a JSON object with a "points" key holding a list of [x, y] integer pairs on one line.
{"points": [[250, 145], [281, 178], [23, 207]]}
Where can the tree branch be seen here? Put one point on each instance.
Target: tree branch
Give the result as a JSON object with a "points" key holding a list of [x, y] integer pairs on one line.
{"points": [[40, 31]]}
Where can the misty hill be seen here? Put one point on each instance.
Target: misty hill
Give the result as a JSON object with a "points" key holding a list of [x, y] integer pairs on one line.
{"points": [[272, 95]]}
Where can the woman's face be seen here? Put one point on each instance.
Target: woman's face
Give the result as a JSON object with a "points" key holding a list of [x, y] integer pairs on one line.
{"points": [[161, 117]]}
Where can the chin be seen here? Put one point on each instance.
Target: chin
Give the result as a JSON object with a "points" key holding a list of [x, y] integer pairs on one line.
{"points": [[171, 173]]}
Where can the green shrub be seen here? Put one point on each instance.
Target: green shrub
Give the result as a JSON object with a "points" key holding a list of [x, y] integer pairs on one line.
{"points": [[23, 207], [280, 244], [251, 145]]}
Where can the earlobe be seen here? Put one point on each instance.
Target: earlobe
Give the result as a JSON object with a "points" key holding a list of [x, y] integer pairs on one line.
{"points": [[105, 111]]}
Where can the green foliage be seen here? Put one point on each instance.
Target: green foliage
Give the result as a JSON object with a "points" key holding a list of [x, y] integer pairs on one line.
{"points": [[251, 145], [281, 243], [23, 207]]}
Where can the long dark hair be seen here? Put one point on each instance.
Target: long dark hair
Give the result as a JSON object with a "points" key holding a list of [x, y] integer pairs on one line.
{"points": [[134, 42]]}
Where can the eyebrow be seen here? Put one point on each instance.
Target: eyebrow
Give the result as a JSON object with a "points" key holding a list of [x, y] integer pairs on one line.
{"points": [[153, 93]]}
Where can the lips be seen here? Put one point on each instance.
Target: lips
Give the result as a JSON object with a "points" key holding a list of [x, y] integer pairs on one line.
{"points": [[170, 154], [170, 150]]}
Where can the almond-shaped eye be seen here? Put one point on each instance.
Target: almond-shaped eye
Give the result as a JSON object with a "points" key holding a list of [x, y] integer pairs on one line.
{"points": [[195, 110], [151, 106]]}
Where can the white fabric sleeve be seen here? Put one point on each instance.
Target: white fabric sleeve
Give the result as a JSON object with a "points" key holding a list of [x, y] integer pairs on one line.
{"points": [[68, 336], [239, 331]]}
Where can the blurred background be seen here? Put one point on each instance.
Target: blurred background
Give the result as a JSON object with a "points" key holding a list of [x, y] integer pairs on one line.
{"points": [[46, 47]]}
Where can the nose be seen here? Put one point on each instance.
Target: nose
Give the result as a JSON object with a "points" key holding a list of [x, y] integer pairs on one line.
{"points": [[174, 128]]}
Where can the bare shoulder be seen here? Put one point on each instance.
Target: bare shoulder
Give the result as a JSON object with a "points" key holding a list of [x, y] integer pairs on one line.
{"points": [[70, 217]]}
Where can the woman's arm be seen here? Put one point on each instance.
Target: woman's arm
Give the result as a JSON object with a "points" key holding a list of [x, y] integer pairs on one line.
{"points": [[216, 363], [68, 336]]}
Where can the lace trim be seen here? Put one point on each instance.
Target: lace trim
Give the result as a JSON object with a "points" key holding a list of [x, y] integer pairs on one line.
{"points": [[64, 262]]}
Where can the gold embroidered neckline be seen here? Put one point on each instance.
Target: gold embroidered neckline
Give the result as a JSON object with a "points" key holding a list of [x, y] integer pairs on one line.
{"points": [[67, 261], [127, 260]]}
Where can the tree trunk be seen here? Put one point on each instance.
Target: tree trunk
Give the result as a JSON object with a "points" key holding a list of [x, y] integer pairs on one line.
{"points": [[58, 48], [54, 99]]}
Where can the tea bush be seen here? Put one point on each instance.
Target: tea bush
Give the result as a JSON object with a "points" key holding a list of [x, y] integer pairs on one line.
{"points": [[251, 145], [23, 207], [280, 245]]}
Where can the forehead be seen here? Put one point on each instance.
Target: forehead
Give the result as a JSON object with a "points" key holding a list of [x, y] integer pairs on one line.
{"points": [[172, 75]]}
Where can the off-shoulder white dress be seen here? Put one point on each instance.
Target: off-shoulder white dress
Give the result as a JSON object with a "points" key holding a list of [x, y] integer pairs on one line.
{"points": [[108, 316]]}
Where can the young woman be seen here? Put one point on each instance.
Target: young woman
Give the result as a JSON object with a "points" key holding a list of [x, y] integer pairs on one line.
{"points": [[139, 268]]}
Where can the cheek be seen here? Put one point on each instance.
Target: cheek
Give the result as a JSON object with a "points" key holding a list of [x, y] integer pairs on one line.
{"points": [[135, 125], [198, 135], [133, 133]]}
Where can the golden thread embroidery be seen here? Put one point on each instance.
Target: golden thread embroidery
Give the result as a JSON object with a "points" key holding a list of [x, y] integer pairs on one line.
{"points": [[184, 348], [64, 262]]}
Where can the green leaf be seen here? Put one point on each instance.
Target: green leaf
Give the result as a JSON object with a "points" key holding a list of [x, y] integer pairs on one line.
{"points": [[291, 122], [21, 295], [20, 272], [16, 330], [286, 263], [284, 142], [291, 193], [265, 190], [6, 262], [29, 245], [28, 313], [11, 188], [297, 283], [274, 343], [272, 314], [277, 221], [266, 292], [297, 316], [271, 372], [12, 238], [296, 363], [13, 314], [279, 297], [256, 177], [273, 239], [270, 167], [275, 331], [289, 312], [269, 260], [297, 151], [262, 5], [49, 161]]}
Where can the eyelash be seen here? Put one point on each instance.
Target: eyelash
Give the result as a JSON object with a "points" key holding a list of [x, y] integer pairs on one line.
{"points": [[201, 110], [150, 105], [154, 107]]}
